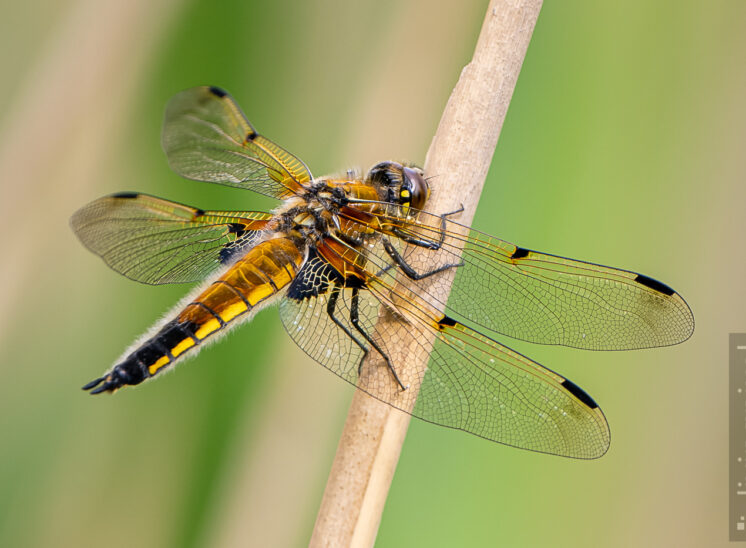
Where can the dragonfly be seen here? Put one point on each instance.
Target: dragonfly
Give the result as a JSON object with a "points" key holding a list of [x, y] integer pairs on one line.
{"points": [[361, 273]]}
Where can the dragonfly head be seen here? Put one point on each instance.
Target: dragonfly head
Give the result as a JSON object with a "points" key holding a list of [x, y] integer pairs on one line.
{"points": [[404, 185]]}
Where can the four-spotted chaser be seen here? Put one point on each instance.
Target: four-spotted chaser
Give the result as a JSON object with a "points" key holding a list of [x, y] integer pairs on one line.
{"points": [[340, 253]]}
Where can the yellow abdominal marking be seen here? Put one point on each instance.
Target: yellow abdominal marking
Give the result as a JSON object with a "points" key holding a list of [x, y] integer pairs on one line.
{"points": [[210, 326], [181, 347], [160, 362], [233, 310], [259, 293]]}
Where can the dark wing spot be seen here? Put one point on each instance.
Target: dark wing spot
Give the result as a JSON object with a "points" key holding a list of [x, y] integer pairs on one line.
{"points": [[251, 135], [198, 213], [579, 393], [447, 321], [354, 282], [218, 91], [655, 285], [236, 228], [126, 195], [519, 253], [230, 250]]}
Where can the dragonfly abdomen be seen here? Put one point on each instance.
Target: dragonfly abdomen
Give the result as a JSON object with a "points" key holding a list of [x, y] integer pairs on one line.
{"points": [[248, 284]]}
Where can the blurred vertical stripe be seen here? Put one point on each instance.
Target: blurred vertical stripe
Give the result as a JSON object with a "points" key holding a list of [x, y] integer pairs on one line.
{"points": [[60, 126]]}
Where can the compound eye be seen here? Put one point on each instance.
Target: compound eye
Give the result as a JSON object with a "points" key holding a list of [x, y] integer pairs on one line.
{"points": [[387, 174], [414, 190]]}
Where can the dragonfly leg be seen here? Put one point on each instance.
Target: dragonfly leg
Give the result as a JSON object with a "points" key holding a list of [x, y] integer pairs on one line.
{"points": [[331, 306], [355, 319], [407, 269], [428, 243]]}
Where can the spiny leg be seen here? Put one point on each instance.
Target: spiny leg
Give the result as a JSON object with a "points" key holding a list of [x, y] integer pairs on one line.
{"points": [[355, 319], [331, 306], [407, 269], [427, 243]]}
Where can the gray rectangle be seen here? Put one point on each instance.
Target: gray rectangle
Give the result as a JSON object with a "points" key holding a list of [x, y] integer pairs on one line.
{"points": [[737, 453]]}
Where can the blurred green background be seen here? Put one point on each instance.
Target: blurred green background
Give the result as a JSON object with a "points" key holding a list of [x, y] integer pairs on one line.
{"points": [[624, 145]]}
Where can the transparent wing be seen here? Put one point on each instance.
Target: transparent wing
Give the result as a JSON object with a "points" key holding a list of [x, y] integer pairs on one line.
{"points": [[471, 382], [207, 137], [156, 241], [538, 297]]}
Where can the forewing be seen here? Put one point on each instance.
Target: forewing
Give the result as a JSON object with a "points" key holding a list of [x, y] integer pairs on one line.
{"points": [[156, 241], [542, 298], [207, 137], [471, 382]]}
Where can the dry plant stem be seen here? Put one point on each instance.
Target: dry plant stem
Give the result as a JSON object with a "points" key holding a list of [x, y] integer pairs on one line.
{"points": [[460, 155]]}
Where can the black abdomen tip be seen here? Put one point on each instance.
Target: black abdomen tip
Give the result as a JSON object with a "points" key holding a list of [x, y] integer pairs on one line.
{"points": [[108, 384], [93, 383], [129, 372]]}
